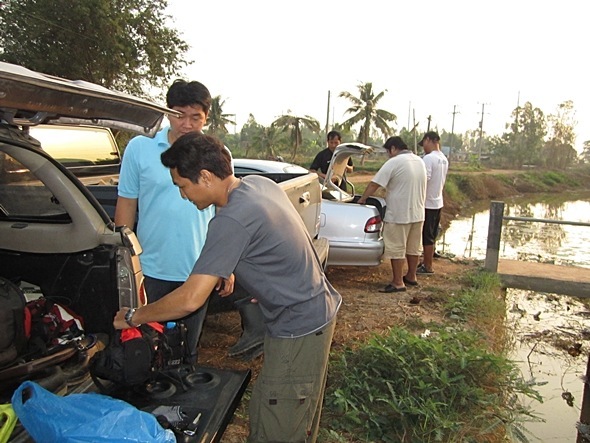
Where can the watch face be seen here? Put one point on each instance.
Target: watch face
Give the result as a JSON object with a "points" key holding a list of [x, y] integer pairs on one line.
{"points": [[129, 315]]}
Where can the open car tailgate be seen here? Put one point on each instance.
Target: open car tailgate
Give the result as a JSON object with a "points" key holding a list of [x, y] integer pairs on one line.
{"points": [[57, 100]]}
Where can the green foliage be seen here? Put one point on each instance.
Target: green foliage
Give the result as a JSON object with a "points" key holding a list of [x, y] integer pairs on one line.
{"points": [[119, 44], [217, 121], [452, 190], [293, 125], [476, 298], [402, 387], [441, 387]]}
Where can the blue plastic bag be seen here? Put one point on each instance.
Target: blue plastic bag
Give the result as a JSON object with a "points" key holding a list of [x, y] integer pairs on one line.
{"points": [[78, 418]]}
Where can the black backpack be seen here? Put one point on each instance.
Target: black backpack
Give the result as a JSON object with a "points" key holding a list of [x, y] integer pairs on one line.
{"points": [[13, 340], [137, 355]]}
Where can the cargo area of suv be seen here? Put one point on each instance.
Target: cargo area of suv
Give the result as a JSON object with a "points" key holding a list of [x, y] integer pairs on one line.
{"points": [[57, 243]]}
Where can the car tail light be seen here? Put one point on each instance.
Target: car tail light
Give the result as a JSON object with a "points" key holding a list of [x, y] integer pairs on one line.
{"points": [[142, 293], [129, 279], [374, 224]]}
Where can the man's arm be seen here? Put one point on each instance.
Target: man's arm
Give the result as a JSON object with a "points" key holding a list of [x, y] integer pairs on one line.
{"points": [[179, 303], [349, 165], [316, 167], [318, 172], [370, 190], [125, 212]]}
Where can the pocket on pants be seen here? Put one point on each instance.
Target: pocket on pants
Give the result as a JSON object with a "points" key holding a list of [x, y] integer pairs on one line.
{"points": [[285, 411]]}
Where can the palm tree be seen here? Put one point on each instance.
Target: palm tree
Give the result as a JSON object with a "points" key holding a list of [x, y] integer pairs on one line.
{"points": [[293, 124], [366, 112], [217, 120], [267, 140]]}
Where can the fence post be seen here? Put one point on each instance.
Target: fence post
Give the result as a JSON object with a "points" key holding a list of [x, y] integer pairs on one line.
{"points": [[494, 235]]}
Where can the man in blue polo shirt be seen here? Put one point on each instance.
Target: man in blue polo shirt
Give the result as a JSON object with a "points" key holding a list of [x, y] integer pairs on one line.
{"points": [[171, 230]]}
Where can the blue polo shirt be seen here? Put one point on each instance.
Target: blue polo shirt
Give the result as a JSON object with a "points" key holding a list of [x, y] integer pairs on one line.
{"points": [[171, 230]]}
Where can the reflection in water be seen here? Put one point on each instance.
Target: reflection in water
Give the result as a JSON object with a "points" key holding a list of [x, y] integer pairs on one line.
{"points": [[552, 333], [536, 241]]}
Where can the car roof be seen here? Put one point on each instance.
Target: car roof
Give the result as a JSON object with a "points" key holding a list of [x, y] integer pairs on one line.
{"points": [[28, 98], [268, 166]]}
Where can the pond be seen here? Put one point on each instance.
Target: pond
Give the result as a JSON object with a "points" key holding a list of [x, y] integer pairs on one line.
{"points": [[551, 332]]}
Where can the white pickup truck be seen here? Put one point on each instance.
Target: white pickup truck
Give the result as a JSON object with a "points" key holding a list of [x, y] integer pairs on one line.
{"points": [[57, 241]]}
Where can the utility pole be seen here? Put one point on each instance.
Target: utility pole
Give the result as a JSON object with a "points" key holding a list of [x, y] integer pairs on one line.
{"points": [[429, 119], [481, 131], [328, 114], [452, 132], [414, 129]]}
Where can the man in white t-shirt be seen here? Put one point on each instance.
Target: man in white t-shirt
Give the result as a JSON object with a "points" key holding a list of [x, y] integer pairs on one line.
{"points": [[437, 167], [404, 178]]}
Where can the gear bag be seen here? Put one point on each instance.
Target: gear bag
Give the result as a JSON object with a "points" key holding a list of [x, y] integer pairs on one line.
{"points": [[12, 329], [136, 355]]}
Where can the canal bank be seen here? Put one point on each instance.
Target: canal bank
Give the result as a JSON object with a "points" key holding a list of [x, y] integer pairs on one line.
{"points": [[551, 339], [466, 188]]}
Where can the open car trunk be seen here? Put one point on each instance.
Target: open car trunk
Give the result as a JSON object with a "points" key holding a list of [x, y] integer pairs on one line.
{"points": [[57, 243]]}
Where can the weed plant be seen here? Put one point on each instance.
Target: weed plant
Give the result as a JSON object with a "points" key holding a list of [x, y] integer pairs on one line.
{"points": [[445, 386]]}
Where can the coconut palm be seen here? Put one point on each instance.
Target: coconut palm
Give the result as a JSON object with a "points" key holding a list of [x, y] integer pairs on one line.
{"points": [[366, 112], [267, 140], [294, 124], [217, 120]]}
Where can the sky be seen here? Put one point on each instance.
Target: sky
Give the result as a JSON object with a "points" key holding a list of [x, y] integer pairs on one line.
{"points": [[268, 58]]}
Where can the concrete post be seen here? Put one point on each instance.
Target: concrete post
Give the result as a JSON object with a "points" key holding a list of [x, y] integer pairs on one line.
{"points": [[494, 235]]}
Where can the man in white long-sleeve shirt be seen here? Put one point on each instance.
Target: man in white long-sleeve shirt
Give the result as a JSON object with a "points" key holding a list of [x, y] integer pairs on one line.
{"points": [[437, 167]]}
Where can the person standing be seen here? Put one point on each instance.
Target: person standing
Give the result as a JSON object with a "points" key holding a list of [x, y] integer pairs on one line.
{"points": [[257, 235], [171, 230], [404, 178], [322, 160], [437, 167]]}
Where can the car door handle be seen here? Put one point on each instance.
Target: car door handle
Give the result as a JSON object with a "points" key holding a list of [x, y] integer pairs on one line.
{"points": [[305, 198]]}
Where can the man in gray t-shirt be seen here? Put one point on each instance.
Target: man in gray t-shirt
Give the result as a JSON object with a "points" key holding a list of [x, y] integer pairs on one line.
{"points": [[258, 236]]}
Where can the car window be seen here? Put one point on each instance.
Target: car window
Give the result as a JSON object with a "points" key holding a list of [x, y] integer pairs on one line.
{"points": [[78, 146], [23, 197], [244, 170]]}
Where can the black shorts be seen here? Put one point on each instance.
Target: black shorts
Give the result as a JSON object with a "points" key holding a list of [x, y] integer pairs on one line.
{"points": [[430, 228]]}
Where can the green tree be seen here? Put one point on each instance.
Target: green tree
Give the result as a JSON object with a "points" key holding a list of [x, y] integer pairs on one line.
{"points": [[559, 151], [365, 110], [267, 141], [585, 156], [525, 140], [119, 44], [217, 121], [294, 125]]}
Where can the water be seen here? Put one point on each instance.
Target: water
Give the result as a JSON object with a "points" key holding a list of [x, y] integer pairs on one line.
{"points": [[547, 328]]}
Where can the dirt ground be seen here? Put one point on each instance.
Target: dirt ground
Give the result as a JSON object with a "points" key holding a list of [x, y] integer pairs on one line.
{"points": [[364, 311]]}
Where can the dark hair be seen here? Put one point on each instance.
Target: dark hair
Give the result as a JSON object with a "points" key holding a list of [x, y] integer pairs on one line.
{"points": [[395, 143], [183, 93], [194, 152], [334, 134]]}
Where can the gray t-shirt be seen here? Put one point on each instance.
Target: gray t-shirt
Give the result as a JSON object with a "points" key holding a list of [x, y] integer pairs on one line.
{"points": [[260, 237]]}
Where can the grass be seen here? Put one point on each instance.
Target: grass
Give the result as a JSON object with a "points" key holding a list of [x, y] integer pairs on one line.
{"points": [[454, 384]]}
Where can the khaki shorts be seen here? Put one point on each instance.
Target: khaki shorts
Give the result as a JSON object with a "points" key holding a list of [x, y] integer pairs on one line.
{"points": [[402, 239]]}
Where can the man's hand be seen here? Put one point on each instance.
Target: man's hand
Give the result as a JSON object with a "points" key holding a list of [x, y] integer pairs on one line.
{"points": [[225, 286], [119, 320]]}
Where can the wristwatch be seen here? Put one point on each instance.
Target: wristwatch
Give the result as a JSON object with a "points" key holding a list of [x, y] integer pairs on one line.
{"points": [[129, 317]]}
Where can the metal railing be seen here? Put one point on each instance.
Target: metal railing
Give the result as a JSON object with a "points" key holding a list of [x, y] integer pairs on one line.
{"points": [[495, 232]]}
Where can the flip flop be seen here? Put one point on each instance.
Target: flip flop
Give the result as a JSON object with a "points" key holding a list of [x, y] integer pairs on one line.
{"points": [[391, 288], [409, 282]]}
